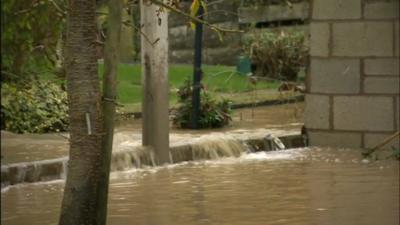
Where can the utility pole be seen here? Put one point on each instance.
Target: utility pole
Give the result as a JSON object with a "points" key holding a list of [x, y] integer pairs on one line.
{"points": [[197, 73], [154, 53]]}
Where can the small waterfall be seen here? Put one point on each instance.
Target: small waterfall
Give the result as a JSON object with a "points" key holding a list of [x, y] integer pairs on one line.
{"points": [[217, 146], [136, 158], [4, 176], [20, 173], [64, 169], [29, 172], [206, 147], [273, 143]]}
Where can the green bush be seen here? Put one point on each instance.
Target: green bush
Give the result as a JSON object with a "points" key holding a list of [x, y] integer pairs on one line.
{"points": [[30, 37], [213, 114], [37, 109], [276, 54]]}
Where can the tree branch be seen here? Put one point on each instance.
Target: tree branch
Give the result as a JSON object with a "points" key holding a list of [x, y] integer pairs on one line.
{"points": [[152, 43], [195, 19], [382, 144], [58, 8]]}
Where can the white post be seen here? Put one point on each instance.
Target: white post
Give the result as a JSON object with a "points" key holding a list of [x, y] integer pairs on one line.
{"points": [[155, 79]]}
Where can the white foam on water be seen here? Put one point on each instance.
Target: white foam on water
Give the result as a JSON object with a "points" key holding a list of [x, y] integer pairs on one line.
{"points": [[291, 154], [126, 141], [181, 182], [220, 147], [38, 183], [5, 189]]}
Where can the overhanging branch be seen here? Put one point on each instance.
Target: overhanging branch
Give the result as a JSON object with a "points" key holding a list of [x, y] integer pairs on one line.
{"points": [[195, 19]]}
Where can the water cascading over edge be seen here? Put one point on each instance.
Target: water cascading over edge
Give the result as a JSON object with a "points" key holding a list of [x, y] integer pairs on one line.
{"points": [[207, 147]]}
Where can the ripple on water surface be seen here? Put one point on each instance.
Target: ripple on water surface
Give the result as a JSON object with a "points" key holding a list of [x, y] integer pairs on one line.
{"points": [[299, 186]]}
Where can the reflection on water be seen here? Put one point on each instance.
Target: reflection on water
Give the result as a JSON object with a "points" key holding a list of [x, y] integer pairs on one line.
{"points": [[300, 186]]}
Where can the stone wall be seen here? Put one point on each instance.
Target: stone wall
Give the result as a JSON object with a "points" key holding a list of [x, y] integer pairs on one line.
{"points": [[230, 14], [222, 13], [353, 80], [227, 14]]}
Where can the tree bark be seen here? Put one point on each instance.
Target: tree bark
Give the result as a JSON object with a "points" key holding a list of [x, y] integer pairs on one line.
{"points": [[155, 80], [111, 60], [136, 34], [79, 205]]}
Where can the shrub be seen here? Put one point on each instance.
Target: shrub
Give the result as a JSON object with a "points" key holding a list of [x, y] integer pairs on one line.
{"points": [[276, 54], [37, 109], [30, 33], [213, 113]]}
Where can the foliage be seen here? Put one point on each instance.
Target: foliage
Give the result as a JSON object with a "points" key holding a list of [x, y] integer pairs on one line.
{"points": [[40, 108], [194, 9], [276, 54], [213, 113], [30, 31], [396, 153]]}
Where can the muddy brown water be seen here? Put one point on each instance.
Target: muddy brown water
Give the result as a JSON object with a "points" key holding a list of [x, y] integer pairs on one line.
{"points": [[308, 186], [32, 147]]}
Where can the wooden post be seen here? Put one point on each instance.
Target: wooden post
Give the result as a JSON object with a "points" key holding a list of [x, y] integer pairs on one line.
{"points": [[155, 80]]}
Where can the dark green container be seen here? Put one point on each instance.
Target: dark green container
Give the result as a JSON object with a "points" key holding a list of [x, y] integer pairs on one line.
{"points": [[243, 65]]}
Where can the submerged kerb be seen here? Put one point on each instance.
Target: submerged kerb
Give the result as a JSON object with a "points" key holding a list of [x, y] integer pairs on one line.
{"points": [[54, 169]]}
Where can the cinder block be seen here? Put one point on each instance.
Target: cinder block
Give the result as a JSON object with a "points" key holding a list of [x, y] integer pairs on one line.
{"points": [[319, 39], [317, 111], [381, 10], [363, 113], [336, 139], [384, 85], [336, 9], [178, 31], [182, 37], [373, 139], [381, 66], [362, 39], [335, 76], [275, 12]]}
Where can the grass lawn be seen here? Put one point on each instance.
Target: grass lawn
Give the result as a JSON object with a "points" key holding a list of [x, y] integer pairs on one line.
{"points": [[219, 80]]}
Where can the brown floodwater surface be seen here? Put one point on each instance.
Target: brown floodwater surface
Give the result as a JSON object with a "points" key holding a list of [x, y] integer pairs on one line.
{"points": [[32, 147], [309, 186]]}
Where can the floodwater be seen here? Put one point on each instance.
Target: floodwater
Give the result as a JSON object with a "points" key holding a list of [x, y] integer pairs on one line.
{"points": [[308, 186], [32, 147]]}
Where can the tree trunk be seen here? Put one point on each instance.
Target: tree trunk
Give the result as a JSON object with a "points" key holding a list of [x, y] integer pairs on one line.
{"points": [[79, 205], [136, 34], [155, 80], [111, 60]]}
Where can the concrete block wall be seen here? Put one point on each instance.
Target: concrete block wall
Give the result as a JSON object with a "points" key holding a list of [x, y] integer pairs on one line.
{"points": [[353, 81]]}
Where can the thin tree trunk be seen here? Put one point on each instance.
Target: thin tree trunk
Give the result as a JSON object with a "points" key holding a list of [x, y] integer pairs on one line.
{"points": [[136, 34], [155, 80], [111, 60], [79, 205]]}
